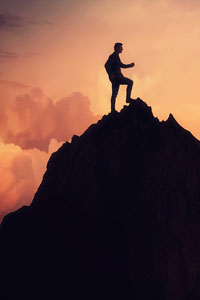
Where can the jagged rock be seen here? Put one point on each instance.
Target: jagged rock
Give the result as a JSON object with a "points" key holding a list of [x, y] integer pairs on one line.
{"points": [[117, 216]]}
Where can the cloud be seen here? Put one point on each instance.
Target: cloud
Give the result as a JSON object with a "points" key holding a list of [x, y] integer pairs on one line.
{"points": [[31, 120], [32, 126], [7, 55], [20, 173], [10, 21], [13, 84]]}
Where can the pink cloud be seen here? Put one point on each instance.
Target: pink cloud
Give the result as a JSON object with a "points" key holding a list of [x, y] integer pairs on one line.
{"points": [[32, 126], [34, 119], [19, 176]]}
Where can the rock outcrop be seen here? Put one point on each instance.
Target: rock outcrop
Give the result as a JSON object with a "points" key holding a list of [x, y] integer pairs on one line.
{"points": [[117, 216]]}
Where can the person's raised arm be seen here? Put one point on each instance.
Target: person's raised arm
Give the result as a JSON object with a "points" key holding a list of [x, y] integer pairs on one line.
{"points": [[127, 65]]}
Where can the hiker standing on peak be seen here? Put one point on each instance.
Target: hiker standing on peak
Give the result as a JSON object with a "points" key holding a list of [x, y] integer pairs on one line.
{"points": [[113, 67]]}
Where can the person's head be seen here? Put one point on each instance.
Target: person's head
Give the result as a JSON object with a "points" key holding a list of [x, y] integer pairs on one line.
{"points": [[118, 47]]}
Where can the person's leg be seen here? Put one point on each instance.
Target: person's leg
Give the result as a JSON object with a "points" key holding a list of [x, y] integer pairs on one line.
{"points": [[129, 89], [129, 83], [115, 89]]}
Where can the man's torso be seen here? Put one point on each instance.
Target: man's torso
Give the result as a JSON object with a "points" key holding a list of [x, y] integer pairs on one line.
{"points": [[113, 66]]}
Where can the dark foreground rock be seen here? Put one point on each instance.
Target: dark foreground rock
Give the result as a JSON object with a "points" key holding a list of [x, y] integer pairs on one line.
{"points": [[117, 216]]}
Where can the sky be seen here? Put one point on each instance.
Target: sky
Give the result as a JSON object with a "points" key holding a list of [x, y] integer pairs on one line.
{"points": [[53, 82]]}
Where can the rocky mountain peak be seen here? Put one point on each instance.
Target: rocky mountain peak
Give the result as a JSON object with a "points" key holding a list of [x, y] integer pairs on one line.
{"points": [[117, 215]]}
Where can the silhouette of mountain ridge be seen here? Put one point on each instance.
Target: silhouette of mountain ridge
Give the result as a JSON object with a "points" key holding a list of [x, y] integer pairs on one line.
{"points": [[117, 216]]}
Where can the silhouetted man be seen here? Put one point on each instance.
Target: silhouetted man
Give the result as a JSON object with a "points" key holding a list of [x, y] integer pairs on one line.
{"points": [[113, 67]]}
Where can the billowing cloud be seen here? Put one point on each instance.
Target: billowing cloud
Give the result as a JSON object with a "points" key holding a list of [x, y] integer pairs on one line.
{"points": [[20, 173], [32, 119], [32, 126]]}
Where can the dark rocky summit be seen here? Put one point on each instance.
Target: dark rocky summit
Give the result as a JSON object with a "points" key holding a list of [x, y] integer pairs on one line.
{"points": [[117, 216]]}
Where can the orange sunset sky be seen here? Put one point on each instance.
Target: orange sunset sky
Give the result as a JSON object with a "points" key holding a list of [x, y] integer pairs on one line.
{"points": [[53, 83]]}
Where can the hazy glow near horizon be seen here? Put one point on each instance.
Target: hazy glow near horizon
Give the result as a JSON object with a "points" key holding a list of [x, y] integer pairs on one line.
{"points": [[52, 59]]}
